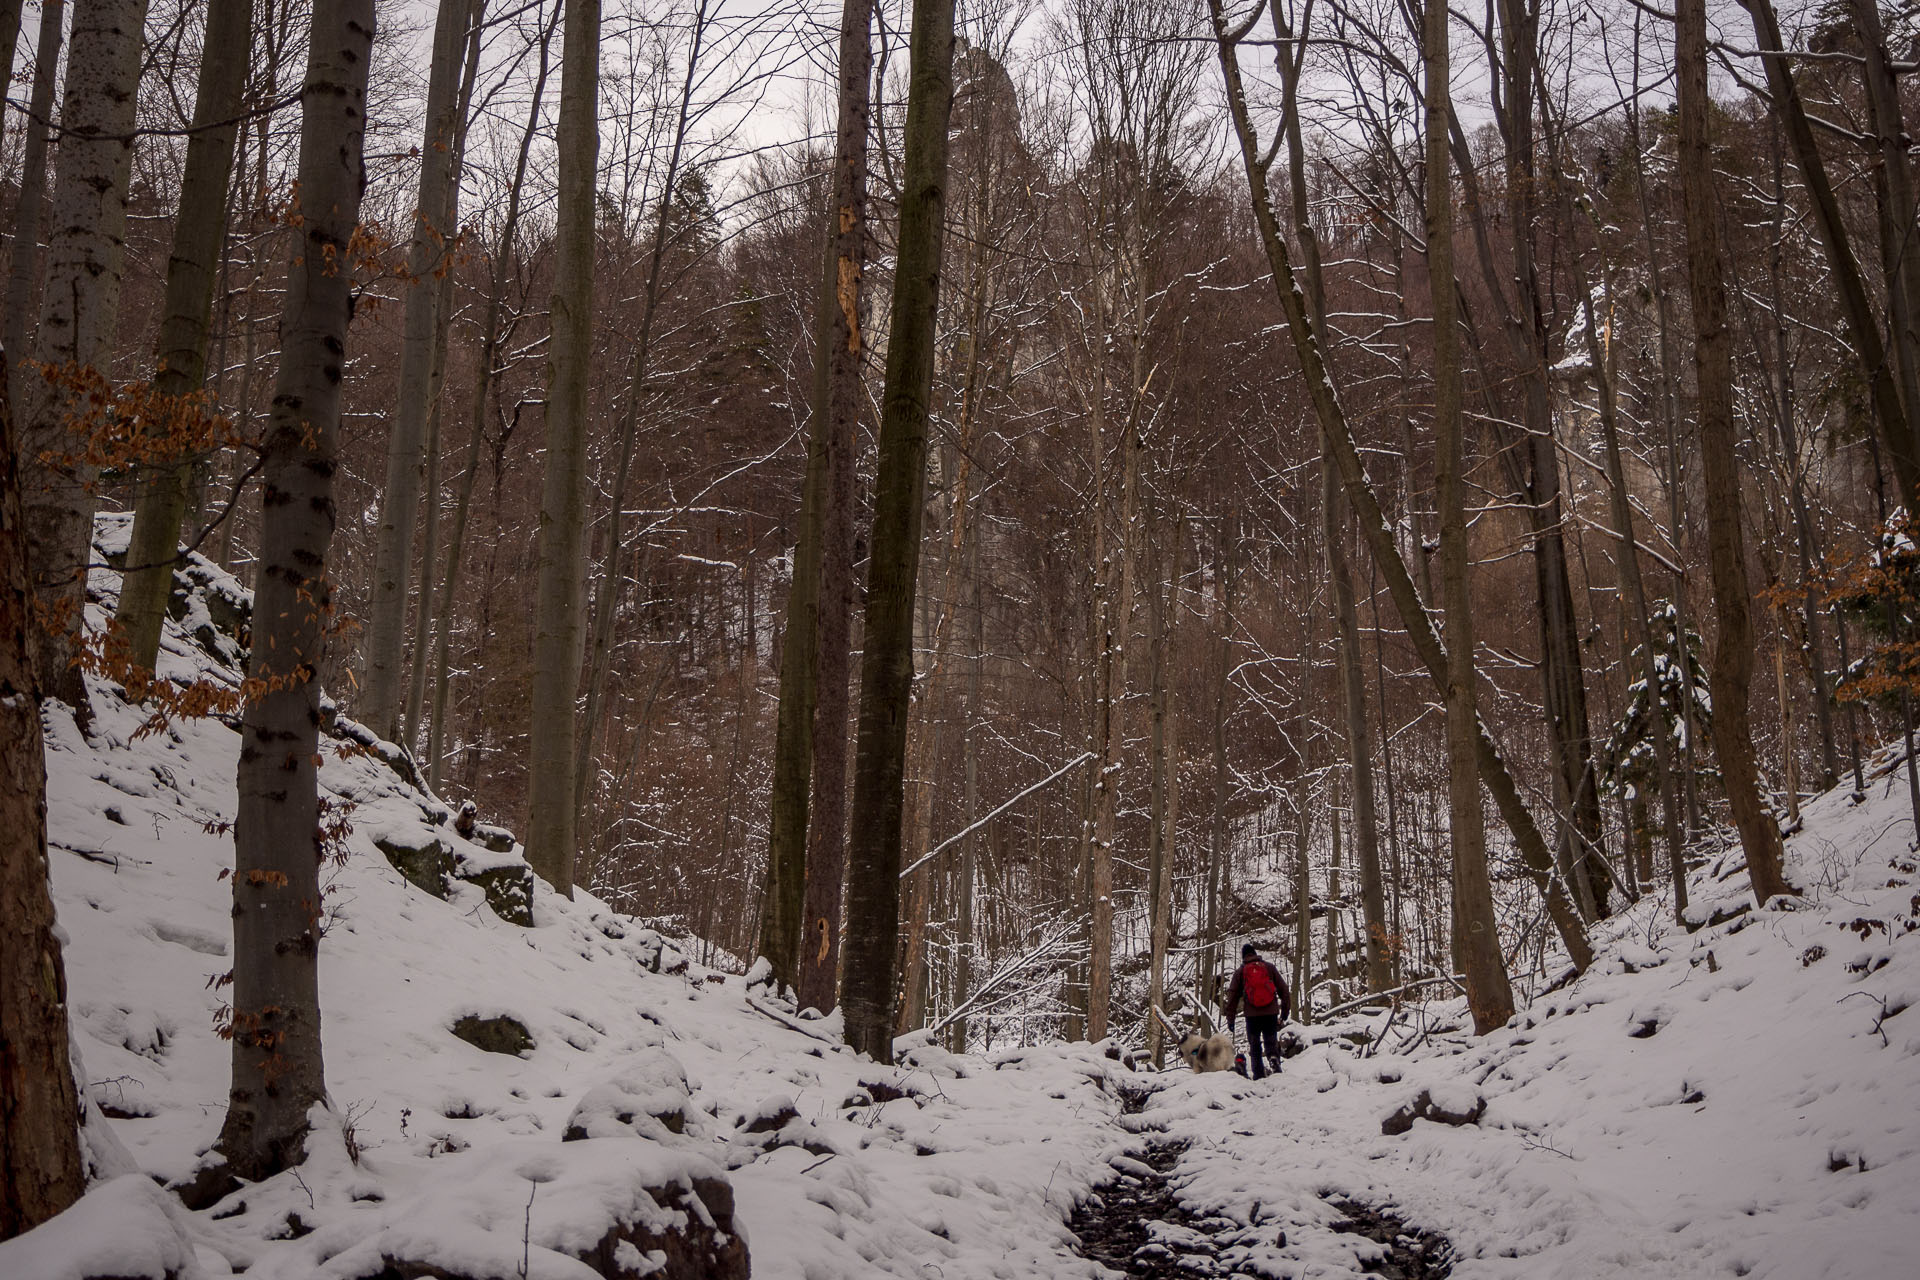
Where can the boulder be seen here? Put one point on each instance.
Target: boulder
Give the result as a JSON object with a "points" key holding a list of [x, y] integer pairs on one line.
{"points": [[509, 889], [502, 1034], [649, 1097], [425, 861]]}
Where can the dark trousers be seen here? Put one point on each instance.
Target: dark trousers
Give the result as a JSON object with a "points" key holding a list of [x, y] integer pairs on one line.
{"points": [[1263, 1037]]}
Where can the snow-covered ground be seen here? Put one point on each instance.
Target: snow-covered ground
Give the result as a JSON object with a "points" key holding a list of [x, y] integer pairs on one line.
{"points": [[1742, 1099], [1739, 1100]]}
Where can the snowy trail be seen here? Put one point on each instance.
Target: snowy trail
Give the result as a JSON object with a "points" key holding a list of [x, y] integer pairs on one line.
{"points": [[1738, 1099]]}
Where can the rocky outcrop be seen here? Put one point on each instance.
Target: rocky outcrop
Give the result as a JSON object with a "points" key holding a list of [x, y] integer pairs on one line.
{"points": [[500, 1034]]}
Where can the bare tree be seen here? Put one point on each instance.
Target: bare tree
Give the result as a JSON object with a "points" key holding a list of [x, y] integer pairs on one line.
{"points": [[85, 252], [428, 260], [23, 273], [886, 675], [561, 594], [1732, 669], [1478, 941], [1308, 347], [278, 1073], [199, 237], [806, 856], [40, 1168]]}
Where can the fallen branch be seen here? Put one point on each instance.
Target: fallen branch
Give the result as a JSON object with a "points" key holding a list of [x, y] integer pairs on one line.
{"points": [[978, 823], [993, 983], [1388, 995]]}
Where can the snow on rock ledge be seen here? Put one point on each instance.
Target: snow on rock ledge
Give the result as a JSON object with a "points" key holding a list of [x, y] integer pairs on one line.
{"points": [[616, 1209]]}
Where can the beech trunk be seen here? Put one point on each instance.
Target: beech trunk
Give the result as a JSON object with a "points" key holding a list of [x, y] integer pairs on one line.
{"points": [[278, 1075], [886, 675]]}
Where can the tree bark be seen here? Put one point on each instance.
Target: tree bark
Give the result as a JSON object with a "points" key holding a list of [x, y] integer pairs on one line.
{"points": [[23, 275], [85, 251], [429, 257], [165, 490], [560, 594], [40, 1165], [837, 395], [1489, 995], [886, 676], [1732, 669], [277, 1068]]}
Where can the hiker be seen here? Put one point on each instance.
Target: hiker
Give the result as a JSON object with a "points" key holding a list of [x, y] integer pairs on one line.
{"points": [[1269, 1004]]}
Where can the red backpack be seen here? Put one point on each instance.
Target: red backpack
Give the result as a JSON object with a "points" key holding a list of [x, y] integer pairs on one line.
{"points": [[1257, 985]]}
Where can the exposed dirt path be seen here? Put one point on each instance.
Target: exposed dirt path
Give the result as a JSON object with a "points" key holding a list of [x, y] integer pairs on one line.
{"points": [[1137, 1226]]}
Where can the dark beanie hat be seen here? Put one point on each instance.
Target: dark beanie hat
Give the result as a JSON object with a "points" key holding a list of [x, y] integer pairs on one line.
{"points": [[1247, 952]]}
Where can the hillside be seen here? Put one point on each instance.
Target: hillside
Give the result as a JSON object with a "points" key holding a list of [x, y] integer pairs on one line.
{"points": [[1739, 1099]]}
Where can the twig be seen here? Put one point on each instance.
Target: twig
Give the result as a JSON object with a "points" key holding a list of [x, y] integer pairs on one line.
{"points": [[526, 1234]]}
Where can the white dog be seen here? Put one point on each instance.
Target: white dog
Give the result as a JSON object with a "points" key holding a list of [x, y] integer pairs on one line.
{"points": [[1207, 1053]]}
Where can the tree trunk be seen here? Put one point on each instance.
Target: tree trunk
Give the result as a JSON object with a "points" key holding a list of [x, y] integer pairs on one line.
{"points": [[1225, 570], [1732, 669], [277, 1070], [838, 395], [23, 276], [1814, 649], [165, 489], [1634, 591], [806, 852], [970, 802], [1893, 195], [1488, 994], [1163, 603], [886, 676], [429, 257], [560, 594], [40, 1167], [85, 252], [9, 39]]}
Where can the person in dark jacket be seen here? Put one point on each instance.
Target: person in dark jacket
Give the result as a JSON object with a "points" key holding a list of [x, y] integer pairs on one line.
{"points": [[1269, 1004]]}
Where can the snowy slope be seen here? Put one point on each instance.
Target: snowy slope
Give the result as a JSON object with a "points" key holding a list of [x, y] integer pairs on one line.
{"points": [[1756, 1124], [1714, 1102], [973, 1170]]}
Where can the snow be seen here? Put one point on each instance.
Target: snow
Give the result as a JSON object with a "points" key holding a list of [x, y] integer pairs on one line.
{"points": [[126, 1227], [1739, 1099]]}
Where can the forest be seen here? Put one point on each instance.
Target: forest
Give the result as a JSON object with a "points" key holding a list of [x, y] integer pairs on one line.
{"points": [[956, 514]]}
